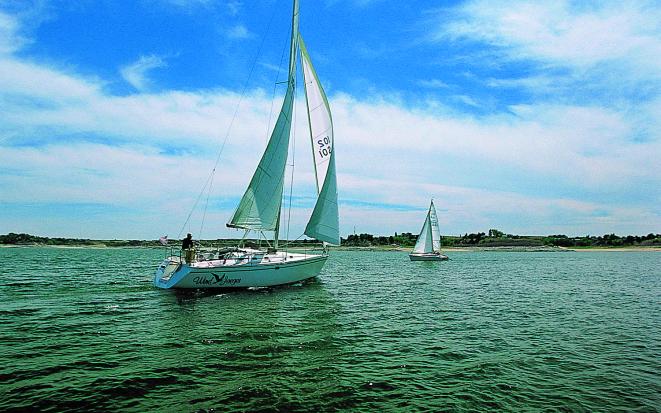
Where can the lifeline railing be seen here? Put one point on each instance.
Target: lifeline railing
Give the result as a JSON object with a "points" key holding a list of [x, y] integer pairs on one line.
{"points": [[210, 253]]}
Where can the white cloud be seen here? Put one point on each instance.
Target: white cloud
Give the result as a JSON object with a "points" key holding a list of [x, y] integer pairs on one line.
{"points": [[587, 146], [433, 84], [44, 84], [239, 32], [540, 83], [136, 72], [536, 137], [462, 210], [10, 41], [596, 52], [562, 32], [354, 3], [466, 100], [234, 7], [386, 155], [189, 4]]}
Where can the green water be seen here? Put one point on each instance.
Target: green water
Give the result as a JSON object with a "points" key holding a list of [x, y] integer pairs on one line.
{"points": [[84, 329]]}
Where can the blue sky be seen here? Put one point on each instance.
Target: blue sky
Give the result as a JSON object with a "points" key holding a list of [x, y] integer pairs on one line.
{"points": [[529, 117]]}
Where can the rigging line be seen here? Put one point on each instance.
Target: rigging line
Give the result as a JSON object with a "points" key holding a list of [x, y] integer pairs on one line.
{"points": [[206, 203], [275, 87], [294, 240], [229, 128], [187, 222]]}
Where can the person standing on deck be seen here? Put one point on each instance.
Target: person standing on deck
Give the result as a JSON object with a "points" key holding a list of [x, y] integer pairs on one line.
{"points": [[188, 248]]}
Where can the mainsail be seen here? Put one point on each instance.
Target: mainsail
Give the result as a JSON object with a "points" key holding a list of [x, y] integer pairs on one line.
{"points": [[324, 222], [429, 239], [259, 208]]}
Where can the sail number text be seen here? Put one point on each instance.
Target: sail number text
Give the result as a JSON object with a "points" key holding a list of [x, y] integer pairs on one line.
{"points": [[325, 147]]}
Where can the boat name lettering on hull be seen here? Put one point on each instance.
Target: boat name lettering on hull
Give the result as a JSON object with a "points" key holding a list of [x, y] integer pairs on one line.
{"points": [[221, 279]]}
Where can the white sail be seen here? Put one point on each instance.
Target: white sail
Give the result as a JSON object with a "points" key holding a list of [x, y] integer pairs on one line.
{"points": [[259, 208], [429, 239], [435, 232], [319, 116], [324, 222], [424, 242], [260, 205]]}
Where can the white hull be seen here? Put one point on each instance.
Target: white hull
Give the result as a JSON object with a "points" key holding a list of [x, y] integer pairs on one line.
{"points": [[241, 270], [428, 257]]}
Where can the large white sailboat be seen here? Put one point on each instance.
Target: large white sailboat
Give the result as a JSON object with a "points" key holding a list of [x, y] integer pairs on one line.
{"points": [[260, 207], [428, 245]]}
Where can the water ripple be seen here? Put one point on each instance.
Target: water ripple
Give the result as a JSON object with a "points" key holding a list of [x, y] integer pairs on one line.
{"points": [[84, 330]]}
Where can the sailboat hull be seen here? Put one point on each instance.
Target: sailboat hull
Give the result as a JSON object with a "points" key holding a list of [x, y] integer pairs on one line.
{"points": [[269, 270], [428, 257]]}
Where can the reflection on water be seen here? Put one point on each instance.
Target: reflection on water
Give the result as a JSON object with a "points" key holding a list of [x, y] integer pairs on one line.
{"points": [[84, 329]]}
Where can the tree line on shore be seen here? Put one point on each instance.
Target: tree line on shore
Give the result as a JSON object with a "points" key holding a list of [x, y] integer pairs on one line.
{"points": [[27, 239], [494, 238]]}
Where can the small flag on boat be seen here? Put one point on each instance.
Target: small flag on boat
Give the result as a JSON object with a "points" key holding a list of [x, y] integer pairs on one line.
{"points": [[164, 240]]}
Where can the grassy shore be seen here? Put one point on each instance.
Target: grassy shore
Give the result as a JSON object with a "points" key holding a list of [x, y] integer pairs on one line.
{"points": [[503, 249], [495, 241], [101, 245]]}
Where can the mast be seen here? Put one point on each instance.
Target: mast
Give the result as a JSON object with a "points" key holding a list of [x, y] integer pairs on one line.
{"points": [[293, 42]]}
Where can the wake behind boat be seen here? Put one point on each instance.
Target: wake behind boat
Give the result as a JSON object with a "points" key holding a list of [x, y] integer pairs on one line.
{"points": [[260, 207], [428, 245]]}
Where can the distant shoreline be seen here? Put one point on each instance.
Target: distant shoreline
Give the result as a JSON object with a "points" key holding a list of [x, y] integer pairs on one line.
{"points": [[373, 248], [493, 241], [507, 249]]}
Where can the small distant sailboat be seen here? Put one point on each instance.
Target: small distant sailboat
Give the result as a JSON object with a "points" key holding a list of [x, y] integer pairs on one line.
{"points": [[428, 245], [260, 208]]}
